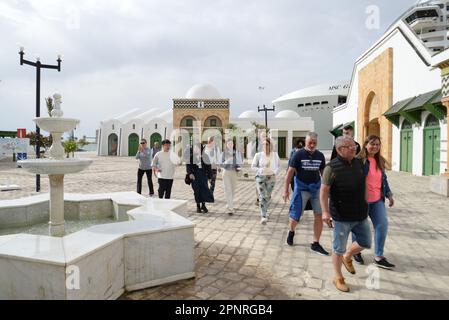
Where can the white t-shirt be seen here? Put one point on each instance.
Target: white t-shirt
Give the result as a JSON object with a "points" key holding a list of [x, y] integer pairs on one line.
{"points": [[166, 162]]}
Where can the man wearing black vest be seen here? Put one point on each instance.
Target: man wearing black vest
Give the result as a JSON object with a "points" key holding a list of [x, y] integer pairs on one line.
{"points": [[345, 209]]}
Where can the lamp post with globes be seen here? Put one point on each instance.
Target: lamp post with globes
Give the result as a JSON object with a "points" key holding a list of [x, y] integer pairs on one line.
{"points": [[38, 65]]}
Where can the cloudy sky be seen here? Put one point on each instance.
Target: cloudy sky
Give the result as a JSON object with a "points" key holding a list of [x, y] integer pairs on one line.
{"points": [[119, 55]]}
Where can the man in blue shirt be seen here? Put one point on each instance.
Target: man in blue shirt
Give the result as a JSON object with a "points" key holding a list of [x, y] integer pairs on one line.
{"points": [[307, 166]]}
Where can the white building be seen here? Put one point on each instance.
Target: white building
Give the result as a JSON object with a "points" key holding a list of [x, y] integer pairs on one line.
{"points": [[120, 135], [285, 128], [396, 93], [204, 109], [317, 102]]}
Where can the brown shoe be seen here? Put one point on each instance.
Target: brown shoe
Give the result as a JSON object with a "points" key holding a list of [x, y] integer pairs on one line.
{"points": [[348, 265], [340, 284]]}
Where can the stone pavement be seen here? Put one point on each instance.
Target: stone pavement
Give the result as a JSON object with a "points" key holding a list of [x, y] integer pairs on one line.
{"points": [[237, 258]]}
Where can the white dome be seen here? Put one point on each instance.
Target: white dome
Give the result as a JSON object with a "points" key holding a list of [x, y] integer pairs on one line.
{"points": [[250, 115], [203, 91], [287, 114]]}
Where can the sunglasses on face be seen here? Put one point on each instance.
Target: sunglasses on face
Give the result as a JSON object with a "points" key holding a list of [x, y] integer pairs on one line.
{"points": [[143, 143]]}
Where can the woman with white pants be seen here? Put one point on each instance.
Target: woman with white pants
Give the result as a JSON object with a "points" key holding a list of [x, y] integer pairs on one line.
{"points": [[231, 161]]}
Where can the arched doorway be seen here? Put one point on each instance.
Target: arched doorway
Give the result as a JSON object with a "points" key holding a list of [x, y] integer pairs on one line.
{"points": [[372, 112], [188, 123], [432, 146], [213, 122], [133, 144], [406, 147], [374, 127], [155, 137], [112, 144]]}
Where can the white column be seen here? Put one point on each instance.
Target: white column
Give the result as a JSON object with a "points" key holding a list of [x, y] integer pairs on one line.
{"points": [[57, 224], [289, 141]]}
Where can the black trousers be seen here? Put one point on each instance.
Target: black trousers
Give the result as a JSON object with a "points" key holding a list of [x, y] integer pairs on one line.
{"points": [[165, 188], [212, 181], [140, 174]]}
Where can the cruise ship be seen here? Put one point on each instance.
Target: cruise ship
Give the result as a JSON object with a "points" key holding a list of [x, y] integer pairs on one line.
{"points": [[317, 102], [430, 21]]}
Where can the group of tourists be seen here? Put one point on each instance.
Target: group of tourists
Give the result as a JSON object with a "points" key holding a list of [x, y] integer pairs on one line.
{"points": [[342, 193]]}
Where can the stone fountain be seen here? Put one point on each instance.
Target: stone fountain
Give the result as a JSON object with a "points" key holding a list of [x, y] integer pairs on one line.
{"points": [[148, 242], [56, 166]]}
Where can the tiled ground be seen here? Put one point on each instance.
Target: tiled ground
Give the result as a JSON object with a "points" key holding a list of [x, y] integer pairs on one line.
{"points": [[237, 258]]}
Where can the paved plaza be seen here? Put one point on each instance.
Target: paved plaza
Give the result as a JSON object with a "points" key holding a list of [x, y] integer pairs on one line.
{"points": [[238, 258]]}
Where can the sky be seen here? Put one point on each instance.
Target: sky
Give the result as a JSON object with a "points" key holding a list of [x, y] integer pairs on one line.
{"points": [[119, 55]]}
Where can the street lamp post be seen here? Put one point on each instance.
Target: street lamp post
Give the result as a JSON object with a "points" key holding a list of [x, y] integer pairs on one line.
{"points": [[265, 109], [38, 65]]}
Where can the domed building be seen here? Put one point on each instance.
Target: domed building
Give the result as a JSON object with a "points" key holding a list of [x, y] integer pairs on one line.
{"points": [[202, 108]]}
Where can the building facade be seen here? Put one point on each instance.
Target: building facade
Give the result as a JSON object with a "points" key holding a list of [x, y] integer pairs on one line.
{"points": [[396, 93], [286, 128], [203, 110], [120, 136]]}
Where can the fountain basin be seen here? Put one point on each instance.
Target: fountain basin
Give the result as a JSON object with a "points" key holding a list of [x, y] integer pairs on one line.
{"points": [[60, 125], [55, 167], [154, 247]]}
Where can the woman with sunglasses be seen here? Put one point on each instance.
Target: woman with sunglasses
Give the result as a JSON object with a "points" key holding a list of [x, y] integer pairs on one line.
{"points": [[144, 155]]}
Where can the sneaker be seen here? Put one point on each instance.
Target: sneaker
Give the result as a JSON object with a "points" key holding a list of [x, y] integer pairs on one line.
{"points": [[340, 284], [291, 235], [348, 265], [204, 209], [358, 258], [230, 212], [383, 263], [316, 247], [263, 221]]}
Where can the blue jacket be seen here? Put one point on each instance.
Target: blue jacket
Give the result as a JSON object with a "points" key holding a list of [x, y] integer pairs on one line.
{"points": [[385, 191]]}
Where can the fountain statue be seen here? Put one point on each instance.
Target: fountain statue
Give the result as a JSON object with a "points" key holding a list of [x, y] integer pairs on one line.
{"points": [[56, 166]]}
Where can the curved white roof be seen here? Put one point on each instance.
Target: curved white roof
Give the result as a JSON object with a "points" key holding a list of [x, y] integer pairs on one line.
{"points": [[333, 89], [123, 118], [287, 114], [166, 116], [250, 115], [143, 116], [203, 91]]}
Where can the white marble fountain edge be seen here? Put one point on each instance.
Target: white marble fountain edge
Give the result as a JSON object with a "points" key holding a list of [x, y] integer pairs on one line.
{"points": [[62, 251]]}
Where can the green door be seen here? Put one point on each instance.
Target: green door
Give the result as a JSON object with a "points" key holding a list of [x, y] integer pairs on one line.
{"points": [[282, 147], [133, 144], [406, 147], [155, 137], [432, 146]]}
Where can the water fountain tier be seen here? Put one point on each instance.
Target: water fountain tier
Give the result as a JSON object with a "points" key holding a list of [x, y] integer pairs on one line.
{"points": [[56, 167]]}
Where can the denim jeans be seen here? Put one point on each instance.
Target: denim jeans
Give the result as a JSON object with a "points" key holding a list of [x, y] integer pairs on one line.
{"points": [[378, 215], [341, 233]]}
